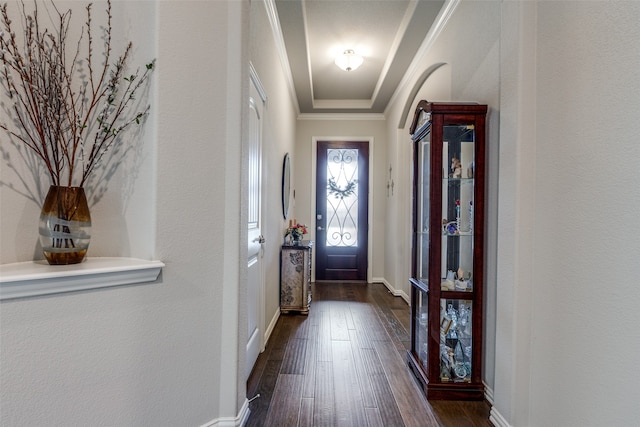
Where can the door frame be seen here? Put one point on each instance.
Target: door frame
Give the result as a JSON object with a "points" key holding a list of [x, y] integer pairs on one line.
{"points": [[314, 170]]}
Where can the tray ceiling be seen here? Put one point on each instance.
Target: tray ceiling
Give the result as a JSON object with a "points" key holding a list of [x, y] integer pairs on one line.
{"points": [[387, 33]]}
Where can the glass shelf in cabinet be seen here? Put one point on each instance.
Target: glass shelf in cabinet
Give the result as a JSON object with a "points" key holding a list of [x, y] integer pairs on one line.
{"points": [[421, 283], [461, 180], [458, 293], [460, 234]]}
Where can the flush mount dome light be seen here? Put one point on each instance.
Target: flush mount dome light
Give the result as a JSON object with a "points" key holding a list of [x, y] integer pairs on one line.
{"points": [[349, 60]]}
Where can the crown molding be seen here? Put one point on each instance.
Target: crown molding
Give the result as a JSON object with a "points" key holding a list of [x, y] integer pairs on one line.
{"points": [[341, 116], [276, 30]]}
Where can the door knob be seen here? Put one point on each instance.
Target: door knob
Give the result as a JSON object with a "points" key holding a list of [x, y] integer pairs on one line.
{"points": [[260, 239]]}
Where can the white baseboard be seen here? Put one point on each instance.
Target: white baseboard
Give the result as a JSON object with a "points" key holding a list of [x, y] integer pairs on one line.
{"points": [[243, 416], [395, 292], [497, 419], [269, 331], [488, 393], [237, 421]]}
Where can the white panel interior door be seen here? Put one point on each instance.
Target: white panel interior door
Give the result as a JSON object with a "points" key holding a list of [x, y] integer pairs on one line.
{"points": [[255, 284]]}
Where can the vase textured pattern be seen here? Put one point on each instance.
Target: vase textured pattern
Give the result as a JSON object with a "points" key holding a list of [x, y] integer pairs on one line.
{"points": [[65, 225]]}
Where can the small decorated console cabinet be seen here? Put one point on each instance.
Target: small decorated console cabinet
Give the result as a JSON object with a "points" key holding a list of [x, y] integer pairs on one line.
{"points": [[295, 277]]}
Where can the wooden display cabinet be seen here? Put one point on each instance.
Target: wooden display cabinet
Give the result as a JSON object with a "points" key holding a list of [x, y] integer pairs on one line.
{"points": [[447, 251]]}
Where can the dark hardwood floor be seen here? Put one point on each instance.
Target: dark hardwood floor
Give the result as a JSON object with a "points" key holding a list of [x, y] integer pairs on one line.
{"points": [[345, 365]]}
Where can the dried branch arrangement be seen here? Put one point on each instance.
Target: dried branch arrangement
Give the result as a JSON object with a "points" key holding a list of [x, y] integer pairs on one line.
{"points": [[67, 101]]}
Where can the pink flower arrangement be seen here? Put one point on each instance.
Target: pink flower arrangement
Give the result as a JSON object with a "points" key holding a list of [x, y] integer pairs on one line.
{"points": [[296, 230]]}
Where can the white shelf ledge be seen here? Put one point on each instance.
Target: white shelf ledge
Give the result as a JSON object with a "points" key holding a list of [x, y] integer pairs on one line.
{"points": [[28, 279]]}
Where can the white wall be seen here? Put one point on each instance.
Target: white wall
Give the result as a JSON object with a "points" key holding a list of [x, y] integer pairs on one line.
{"points": [[517, 225], [569, 81], [303, 173], [123, 218], [166, 353], [587, 198], [400, 152]]}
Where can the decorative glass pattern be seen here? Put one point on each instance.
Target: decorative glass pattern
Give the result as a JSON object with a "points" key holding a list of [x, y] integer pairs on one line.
{"points": [[342, 197]]}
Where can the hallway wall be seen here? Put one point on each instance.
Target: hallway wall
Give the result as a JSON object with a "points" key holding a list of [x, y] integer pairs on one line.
{"points": [[564, 270], [163, 353], [584, 294]]}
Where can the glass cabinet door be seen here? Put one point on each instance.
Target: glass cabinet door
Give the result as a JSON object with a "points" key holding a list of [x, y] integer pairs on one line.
{"points": [[456, 270], [457, 208], [422, 320], [455, 340], [422, 216]]}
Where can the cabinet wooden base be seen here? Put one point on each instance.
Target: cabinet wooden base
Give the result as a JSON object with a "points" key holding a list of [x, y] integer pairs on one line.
{"points": [[444, 391], [296, 311]]}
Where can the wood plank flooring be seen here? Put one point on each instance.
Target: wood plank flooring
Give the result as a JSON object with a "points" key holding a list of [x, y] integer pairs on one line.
{"points": [[345, 365]]}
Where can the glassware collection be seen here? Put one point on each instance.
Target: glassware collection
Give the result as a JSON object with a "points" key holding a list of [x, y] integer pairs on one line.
{"points": [[455, 340]]}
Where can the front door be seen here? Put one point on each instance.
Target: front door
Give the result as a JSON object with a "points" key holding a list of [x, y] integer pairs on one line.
{"points": [[342, 205], [255, 273]]}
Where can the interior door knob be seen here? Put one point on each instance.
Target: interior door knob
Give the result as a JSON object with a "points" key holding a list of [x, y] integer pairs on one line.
{"points": [[260, 239]]}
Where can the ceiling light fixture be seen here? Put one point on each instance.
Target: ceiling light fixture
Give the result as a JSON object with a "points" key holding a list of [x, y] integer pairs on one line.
{"points": [[349, 60]]}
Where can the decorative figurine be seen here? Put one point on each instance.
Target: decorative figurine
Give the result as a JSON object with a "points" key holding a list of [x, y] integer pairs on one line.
{"points": [[470, 169], [456, 168], [451, 228], [460, 284], [448, 284]]}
